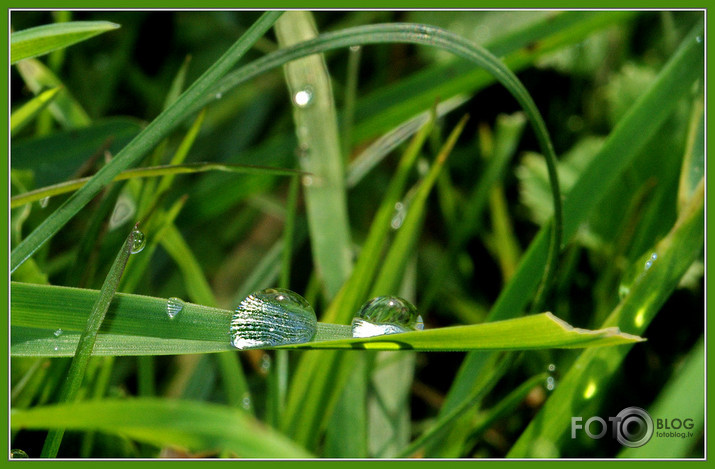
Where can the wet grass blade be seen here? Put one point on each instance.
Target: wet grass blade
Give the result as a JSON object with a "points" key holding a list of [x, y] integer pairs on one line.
{"points": [[88, 337], [142, 144], [593, 369], [33, 42], [197, 426], [319, 146]]}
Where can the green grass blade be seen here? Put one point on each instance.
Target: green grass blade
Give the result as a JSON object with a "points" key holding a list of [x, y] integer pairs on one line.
{"points": [[24, 115], [41, 40], [150, 171], [64, 108], [688, 381], [625, 141], [88, 337], [593, 369], [317, 132], [197, 426], [138, 147]]}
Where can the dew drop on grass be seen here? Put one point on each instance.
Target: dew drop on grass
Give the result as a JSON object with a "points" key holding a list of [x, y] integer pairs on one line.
{"points": [[304, 97], [138, 243], [552, 367], [174, 307], [699, 39], [272, 317], [44, 201], [246, 401], [219, 95], [399, 216], [18, 454], [651, 259], [550, 383], [386, 315], [58, 332]]}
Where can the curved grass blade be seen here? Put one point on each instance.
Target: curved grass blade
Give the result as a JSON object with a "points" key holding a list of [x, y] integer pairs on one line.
{"points": [[139, 146], [33, 42], [87, 338], [150, 171], [176, 423], [24, 115]]}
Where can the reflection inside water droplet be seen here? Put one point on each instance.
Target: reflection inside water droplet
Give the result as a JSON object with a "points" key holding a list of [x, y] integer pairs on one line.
{"points": [[174, 307], [138, 243], [304, 97], [386, 315], [272, 317]]}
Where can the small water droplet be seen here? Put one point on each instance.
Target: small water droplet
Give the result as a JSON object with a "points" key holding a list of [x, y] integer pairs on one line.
{"points": [[386, 315], [265, 363], [58, 332], [18, 454], [307, 180], [174, 307], [550, 383], [246, 401], [552, 367], [272, 317], [649, 262], [355, 48], [57, 348], [304, 97], [699, 39], [44, 201], [302, 151], [138, 243], [219, 95], [399, 216]]}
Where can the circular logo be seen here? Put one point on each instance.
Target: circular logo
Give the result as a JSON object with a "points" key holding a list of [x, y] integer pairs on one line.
{"points": [[634, 427]]}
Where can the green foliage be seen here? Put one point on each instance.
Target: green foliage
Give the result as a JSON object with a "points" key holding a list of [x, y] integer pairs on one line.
{"points": [[331, 153]]}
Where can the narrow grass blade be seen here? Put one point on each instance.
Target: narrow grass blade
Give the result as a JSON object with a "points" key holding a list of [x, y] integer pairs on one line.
{"points": [[319, 145], [65, 108], [150, 171], [197, 426], [41, 40], [88, 337], [688, 380], [593, 369], [24, 115], [137, 148], [622, 146]]}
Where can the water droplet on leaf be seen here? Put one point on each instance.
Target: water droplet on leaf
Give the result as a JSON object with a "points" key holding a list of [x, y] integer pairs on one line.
{"points": [[44, 201], [386, 315], [174, 307], [18, 454], [246, 401], [552, 367], [219, 95], [304, 97], [138, 243], [272, 317], [58, 332]]}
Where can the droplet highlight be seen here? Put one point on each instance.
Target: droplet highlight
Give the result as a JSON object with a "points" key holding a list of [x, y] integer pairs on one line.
{"points": [[386, 315], [272, 317], [58, 333], [174, 306], [304, 97], [138, 243]]}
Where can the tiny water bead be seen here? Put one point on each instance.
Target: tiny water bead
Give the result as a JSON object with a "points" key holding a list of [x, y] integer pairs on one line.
{"points": [[44, 201], [386, 315], [174, 307], [304, 97], [649, 262], [58, 332], [138, 243], [272, 317]]}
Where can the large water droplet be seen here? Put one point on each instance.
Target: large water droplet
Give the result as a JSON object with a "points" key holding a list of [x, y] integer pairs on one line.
{"points": [[304, 97], [174, 307], [18, 454], [386, 315], [272, 317], [138, 243]]}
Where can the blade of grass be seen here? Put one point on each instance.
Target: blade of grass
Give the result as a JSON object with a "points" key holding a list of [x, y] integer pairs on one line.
{"points": [[24, 115], [87, 340], [593, 369], [177, 423], [622, 146], [317, 132], [139, 146], [40, 40]]}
